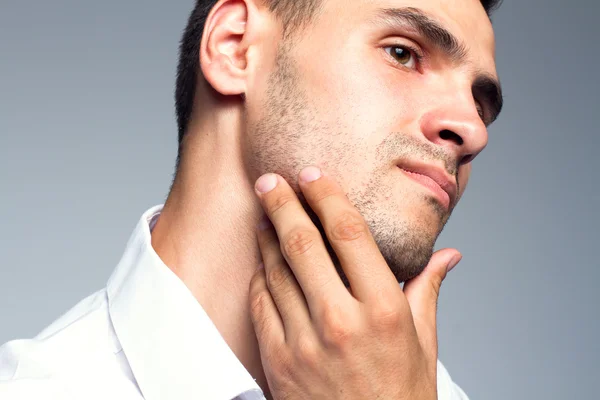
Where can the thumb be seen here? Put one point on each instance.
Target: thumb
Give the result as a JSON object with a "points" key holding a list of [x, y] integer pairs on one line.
{"points": [[422, 293]]}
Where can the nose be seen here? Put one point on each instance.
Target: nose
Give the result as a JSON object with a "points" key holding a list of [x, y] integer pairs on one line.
{"points": [[456, 126]]}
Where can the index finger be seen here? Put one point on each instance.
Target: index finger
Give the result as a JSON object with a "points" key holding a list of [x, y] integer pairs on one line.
{"points": [[367, 271]]}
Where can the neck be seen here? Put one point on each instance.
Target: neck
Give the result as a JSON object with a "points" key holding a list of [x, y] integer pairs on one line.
{"points": [[206, 232]]}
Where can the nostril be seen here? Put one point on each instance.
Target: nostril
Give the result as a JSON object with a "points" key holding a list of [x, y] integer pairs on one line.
{"points": [[449, 135]]}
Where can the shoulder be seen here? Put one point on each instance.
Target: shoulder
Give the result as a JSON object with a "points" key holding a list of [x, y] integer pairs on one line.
{"points": [[447, 389], [79, 351], [25, 389], [76, 338]]}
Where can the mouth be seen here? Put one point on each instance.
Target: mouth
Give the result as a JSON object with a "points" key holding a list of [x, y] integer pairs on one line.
{"points": [[436, 179]]}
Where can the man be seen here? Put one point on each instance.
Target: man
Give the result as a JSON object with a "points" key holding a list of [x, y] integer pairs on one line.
{"points": [[351, 126]]}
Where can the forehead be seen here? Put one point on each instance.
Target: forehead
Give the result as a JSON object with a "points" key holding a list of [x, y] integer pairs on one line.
{"points": [[466, 20]]}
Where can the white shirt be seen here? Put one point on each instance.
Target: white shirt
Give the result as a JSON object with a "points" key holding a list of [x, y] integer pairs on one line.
{"points": [[144, 336]]}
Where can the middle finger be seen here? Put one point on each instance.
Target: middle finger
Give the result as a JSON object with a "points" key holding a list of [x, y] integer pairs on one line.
{"points": [[348, 233]]}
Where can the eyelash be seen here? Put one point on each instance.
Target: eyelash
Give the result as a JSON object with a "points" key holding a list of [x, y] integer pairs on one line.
{"points": [[480, 109]]}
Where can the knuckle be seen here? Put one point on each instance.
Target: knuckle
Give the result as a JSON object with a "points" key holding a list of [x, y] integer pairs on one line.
{"points": [[279, 201], [337, 328], [298, 242], [278, 276], [307, 351], [262, 320], [266, 239], [258, 303], [257, 285], [388, 316], [348, 227]]}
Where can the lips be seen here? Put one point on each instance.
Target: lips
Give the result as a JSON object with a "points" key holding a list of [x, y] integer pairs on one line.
{"points": [[436, 179]]}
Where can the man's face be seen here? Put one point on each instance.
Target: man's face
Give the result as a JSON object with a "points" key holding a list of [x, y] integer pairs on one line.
{"points": [[351, 95]]}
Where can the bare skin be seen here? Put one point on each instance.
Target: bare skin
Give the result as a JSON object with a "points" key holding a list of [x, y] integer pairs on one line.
{"points": [[319, 340], [340, 97]]}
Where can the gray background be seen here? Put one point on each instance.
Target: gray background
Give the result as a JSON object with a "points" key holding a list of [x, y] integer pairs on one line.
{"points": [[87, 143]]}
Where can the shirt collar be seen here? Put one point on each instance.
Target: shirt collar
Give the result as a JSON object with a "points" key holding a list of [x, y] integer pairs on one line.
{"points": [[173, 348]]}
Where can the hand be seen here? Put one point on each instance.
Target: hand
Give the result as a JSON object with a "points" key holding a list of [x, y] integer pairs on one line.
{"points": [[317, 338]]}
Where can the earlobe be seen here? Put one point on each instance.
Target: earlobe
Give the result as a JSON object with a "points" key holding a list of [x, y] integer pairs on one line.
{"points": [[223, 50]]}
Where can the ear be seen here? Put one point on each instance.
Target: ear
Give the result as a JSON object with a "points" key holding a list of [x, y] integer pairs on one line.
{"points": [[223, 51]]}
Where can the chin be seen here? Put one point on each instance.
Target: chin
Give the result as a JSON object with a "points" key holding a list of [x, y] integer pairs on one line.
{"points": [[405, 244], [405, 233]]}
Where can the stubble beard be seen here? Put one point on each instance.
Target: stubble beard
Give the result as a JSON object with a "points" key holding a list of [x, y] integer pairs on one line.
{"points": [[279, 146]]}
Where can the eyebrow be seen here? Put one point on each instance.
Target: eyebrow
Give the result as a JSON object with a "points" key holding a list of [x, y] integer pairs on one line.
{"points": [[485, 87]]}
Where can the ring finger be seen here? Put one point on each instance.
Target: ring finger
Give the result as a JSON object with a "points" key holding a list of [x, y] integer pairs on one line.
{"points": [[282, 284]]}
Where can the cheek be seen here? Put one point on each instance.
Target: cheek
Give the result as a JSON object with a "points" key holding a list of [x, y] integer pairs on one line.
{"points": [[355, 87]]}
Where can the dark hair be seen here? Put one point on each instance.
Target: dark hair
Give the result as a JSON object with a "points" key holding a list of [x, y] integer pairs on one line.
{"points": [[293, 13]]}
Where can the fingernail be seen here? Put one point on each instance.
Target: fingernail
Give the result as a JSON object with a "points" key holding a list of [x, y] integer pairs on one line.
{"points": [[453, 262], [266, 183], [310, 174], [264, 223]]}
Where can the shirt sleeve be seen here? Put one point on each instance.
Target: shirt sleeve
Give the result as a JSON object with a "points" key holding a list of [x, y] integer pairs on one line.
{"points": [[447, 389]]}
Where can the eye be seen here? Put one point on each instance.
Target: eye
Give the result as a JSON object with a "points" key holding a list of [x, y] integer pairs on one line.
{"points": [[404, 55], [480, 110]]}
